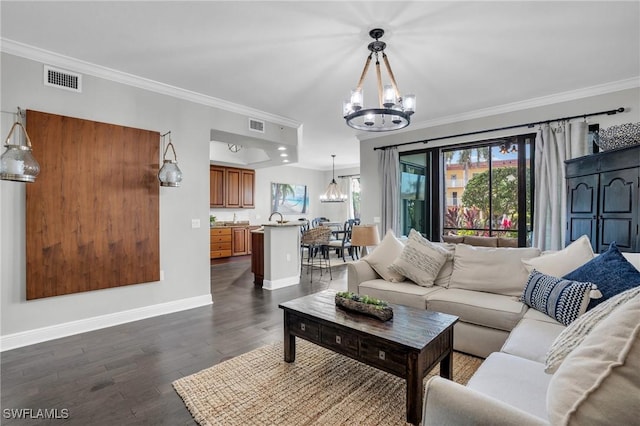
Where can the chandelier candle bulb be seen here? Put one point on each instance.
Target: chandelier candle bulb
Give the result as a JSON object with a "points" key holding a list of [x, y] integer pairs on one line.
{"points": [[409, 103], [356, 99], [389, 96]]}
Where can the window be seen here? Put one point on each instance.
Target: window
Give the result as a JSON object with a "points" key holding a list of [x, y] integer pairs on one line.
{"points": [[355, 197], [413, 192], [494, 196]]}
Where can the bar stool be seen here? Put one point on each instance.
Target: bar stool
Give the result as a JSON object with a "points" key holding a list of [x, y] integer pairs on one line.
{"points": [[315, 240]]}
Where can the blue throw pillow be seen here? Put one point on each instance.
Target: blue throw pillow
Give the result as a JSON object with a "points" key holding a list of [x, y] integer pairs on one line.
{"points": [[610, 271], [559, 298]]}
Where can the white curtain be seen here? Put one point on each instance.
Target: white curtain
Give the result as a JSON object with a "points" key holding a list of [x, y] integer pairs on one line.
{"points": [[388, 162], [345, 187], [554, 144]]}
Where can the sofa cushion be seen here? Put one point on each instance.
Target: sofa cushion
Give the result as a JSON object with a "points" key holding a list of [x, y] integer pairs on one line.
{"points": [[610, 271], [403, 293], [494, 270], [531, 339], [507, 242], [598, 382], [538, 316], [454, 239], [477, 241], [559, 298], [564, 261], [420, 260], [384, 255], [576, 332], [513, 380], [480, 308]]}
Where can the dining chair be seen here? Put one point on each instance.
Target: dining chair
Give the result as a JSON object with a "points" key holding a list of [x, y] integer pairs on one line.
{"points": [[344, 244]]}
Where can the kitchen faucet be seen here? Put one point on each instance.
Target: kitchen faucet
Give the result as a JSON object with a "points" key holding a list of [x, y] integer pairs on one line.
{"points": [[281, 218]]}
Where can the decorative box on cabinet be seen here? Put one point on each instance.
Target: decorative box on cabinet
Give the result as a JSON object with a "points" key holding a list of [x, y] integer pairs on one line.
{"points": [[220, 242], [603, 199]]}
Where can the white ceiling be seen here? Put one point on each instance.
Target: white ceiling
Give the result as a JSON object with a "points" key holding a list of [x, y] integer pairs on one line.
{"points": [[298, 60]]}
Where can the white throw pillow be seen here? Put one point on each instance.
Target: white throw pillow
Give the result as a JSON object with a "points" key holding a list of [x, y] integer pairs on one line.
{"points": [[383, 256], [420, 260], [444, 276], [560, 263], [578, 330], [598, 383], [493, 270]]}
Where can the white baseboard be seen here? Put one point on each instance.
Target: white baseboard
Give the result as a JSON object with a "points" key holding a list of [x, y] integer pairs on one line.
{"points": [[30, 337], [282, 282]]}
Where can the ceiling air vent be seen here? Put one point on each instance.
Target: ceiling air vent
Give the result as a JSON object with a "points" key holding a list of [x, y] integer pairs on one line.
{"points": [[256, 125], [62, 79]]}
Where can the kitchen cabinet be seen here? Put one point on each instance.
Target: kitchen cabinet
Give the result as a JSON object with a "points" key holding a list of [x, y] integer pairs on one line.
{"points": [[231, 187], [216, 186], [220, 239], [603, 199], [239, 241], [231, 240], [257, 257]]}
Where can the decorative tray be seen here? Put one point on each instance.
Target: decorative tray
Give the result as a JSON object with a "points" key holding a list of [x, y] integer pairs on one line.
{"points": [[364, 305]]}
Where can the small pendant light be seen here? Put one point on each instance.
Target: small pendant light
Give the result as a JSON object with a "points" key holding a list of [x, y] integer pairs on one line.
{"points": [[333, 193], [17, 163], [170, 174]]}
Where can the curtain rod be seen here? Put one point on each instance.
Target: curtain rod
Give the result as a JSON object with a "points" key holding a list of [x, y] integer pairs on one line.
{"points": [[346, 176], [532, 124]]}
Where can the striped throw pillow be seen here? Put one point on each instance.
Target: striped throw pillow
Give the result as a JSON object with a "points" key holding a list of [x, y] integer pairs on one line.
{"points": [[559, 298]]}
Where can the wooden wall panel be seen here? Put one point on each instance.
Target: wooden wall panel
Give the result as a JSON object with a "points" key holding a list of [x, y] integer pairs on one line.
{"points": [[93, 212]]}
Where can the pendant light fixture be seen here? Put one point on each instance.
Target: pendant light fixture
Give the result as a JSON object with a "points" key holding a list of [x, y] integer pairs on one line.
{"points": [[169, 174], [394, 111], [333, 193], [17, 163]]}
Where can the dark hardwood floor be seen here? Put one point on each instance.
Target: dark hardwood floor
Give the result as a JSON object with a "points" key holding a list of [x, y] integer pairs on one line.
{"points": [[122, 375]]}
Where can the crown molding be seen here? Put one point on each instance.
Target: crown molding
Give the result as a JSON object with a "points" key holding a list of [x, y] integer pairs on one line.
{"points": [[601, 89], [72, 64]]}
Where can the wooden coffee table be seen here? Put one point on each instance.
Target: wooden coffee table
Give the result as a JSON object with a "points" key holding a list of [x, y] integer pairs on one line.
{"points": [[408, 346]]}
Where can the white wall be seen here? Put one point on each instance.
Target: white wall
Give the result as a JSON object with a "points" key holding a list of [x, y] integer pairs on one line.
{"points": [[370, 174], [184, 252]]}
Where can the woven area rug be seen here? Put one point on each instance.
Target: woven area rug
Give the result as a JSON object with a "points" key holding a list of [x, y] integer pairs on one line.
{"points": [[319, 388]]}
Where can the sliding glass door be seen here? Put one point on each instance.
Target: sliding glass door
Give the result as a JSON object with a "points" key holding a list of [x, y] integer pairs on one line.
{"points": [[413, 193]]}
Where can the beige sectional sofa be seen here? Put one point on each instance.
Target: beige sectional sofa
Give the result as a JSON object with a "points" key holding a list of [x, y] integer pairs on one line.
{"points": [[481, 285], [599, 379]]}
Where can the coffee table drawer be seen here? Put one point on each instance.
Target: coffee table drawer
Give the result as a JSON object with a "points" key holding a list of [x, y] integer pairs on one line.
{"points": [[385, 357], [339, 340], [304, 327]]}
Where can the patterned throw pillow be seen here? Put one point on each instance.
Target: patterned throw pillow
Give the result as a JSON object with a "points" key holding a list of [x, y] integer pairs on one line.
{"points": [[575, 333], [561, 299], [420, 260], [610, 271]]}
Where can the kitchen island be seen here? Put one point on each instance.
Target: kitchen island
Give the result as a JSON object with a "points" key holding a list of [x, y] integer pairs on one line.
{"points": [[280, 255]]}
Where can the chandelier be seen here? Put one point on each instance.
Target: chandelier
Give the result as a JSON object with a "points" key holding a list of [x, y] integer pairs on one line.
{"points": [[333, 193], [394, 111]]}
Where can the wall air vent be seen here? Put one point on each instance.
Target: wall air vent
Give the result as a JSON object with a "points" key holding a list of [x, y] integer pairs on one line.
{"points": [[256, 125], [62, 79]]}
